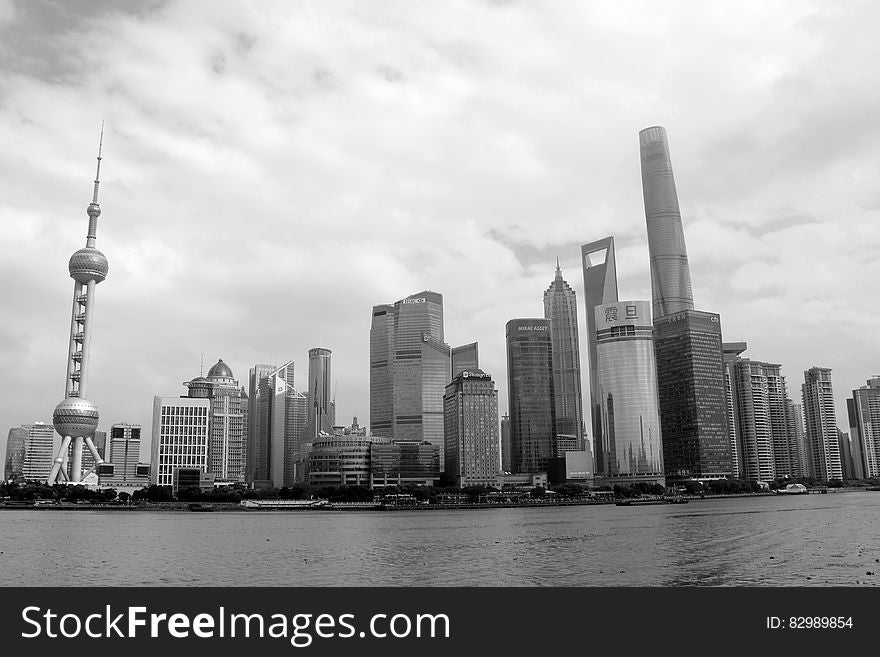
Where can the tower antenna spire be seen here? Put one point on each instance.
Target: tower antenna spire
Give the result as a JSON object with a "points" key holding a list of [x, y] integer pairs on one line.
{"points": [[98, 171]]}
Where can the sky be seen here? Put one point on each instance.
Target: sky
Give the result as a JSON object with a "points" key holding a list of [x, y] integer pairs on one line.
{"points": [[272, 170]]}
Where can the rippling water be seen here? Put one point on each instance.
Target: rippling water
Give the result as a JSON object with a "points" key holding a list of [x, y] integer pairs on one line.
{"points": [[807, 540]]}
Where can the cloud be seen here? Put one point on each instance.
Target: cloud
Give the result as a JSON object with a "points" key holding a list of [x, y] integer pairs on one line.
{"points": [[273, 170]]}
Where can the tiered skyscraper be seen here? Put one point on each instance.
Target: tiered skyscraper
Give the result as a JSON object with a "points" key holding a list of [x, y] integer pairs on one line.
{"points": [[530, 395], [560, 307], [690, 374], [410, 366], [823, 449], [280, 425], [76, 418]]}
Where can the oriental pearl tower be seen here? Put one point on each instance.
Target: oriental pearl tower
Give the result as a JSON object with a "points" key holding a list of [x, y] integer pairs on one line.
{"points": [[76, 418]]}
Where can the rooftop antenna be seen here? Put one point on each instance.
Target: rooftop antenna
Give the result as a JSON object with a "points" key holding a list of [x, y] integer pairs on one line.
{"points": [[202, 366]]}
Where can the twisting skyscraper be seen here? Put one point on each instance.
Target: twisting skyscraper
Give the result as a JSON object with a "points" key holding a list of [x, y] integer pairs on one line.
{"points": [[670, 274], [560, 307], [76, 418]]}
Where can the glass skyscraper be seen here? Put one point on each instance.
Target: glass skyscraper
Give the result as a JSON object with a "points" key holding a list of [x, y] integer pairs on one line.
{"points": [[600, 287], [670, 272], [410, 366], [530, 395], [30, 451], [560, 307], [631, 446], [690, 383]]}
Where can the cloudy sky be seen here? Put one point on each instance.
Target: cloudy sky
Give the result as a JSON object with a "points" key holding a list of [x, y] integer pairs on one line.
{"points": [[274, 169]]}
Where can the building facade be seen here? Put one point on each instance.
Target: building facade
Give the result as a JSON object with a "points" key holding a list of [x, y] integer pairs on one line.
{"points": [[530, 395], [257, 452], [465, 357], [630, 440], [560, 307], [282, 415], [319, 395], [820, 419], [691, 391], [403, 462], [471, 429], [179, 437], [339, 461]]}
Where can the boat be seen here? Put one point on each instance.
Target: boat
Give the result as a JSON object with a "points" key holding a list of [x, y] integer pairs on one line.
{"points": [[793, 489]]}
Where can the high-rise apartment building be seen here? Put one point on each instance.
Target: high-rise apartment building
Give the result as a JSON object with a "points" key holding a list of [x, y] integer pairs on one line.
{"points": [[763, 444], [864, 422], [530, 395], [410, 366], [670, 272], [690, 383], [631, 446], [179, 437], [560, 307], [600, 287], [797, 437], [30, 449], [471, 429], [823, 450]]}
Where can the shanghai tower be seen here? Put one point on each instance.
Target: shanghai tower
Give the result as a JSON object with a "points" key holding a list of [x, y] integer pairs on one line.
{"points": [[670, 275]]}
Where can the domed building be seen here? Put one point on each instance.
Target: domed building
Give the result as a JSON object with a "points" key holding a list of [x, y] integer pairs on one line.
{"points": [[227, 422]]}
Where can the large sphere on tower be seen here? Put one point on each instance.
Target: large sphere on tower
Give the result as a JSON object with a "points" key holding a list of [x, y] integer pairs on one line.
{"points": [[88, 264], [75, 417]]}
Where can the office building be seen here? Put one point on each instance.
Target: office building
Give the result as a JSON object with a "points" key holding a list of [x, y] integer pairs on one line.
{"points": [[282, 415], [820, 419], [560, 307], [30, 450], [227, 452], [257, 452], [629, 443], [339, 461], [410, 366], [764, 445], [403, 462], [471, 429], [76, 418], [864, 422], [530, 395], [465, 357], [123, 450], [846, 455], [600, 287], [179, 437], [319, 401], [506, 445], [691, 391], [670, 272]]}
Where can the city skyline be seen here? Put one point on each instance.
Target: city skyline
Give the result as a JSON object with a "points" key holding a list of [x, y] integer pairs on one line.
{"points": [[180, 206]]}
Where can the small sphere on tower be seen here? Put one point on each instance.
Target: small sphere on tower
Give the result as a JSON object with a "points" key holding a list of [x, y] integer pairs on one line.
{"points": [[94, 210], [88, 264], [75, 417]]}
